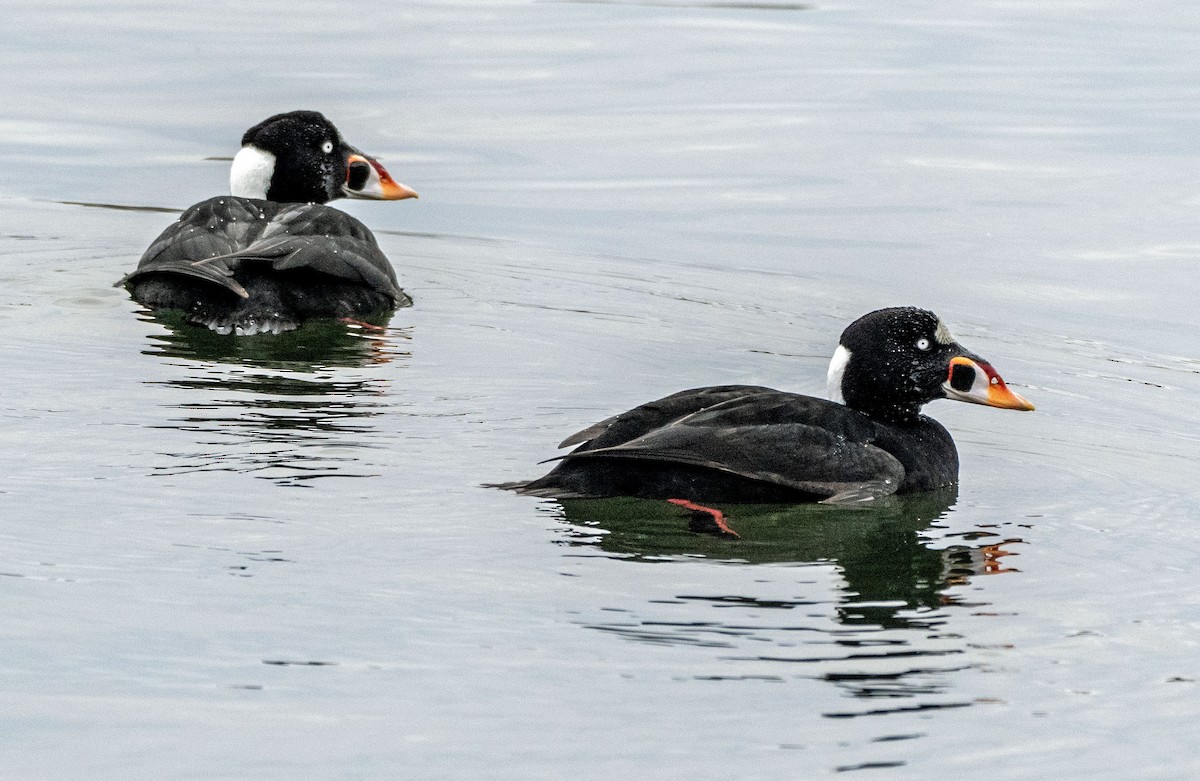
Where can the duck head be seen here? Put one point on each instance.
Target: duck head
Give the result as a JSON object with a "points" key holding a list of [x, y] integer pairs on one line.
{"points": [[300, 157], [891, 362]]}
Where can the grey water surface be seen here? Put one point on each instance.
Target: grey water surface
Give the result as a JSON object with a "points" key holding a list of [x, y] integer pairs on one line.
{"points": [[276, 558]]}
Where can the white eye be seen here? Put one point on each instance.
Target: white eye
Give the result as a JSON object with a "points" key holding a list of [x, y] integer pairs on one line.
{"points": [[922, 344], [327, 147]]}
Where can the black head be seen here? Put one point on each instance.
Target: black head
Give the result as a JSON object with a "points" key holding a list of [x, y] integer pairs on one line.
{"points": [[892, 361], [294, 157], [300, 157]]}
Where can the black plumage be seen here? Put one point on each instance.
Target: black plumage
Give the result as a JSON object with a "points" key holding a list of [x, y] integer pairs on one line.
{"points": [[247, 265], [741, 443]]}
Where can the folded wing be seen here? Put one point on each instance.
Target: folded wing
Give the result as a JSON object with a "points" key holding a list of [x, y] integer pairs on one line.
{"points": [[214, 239], [799, 442]]}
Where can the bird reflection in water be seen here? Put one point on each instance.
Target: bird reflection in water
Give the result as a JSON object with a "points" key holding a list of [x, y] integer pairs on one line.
{"points": [[287, 407], [318, 344], [888, 636]]}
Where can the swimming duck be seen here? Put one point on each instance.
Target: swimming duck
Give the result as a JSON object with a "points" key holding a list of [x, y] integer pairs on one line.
{"points": [[743, 443], [272, 255]]}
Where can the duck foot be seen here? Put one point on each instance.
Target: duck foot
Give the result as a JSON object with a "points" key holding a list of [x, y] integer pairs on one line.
{"points": [[707, 519], [370, 328]]}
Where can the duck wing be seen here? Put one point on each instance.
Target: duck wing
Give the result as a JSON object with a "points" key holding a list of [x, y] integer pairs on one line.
{"points": [[322, 239], [656, 414], [214, 238], [208, 231], [800, 442]]}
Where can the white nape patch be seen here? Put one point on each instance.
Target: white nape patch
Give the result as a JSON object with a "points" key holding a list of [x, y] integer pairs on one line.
{"points": [[837, 368], [942, 334], [251, 172]]}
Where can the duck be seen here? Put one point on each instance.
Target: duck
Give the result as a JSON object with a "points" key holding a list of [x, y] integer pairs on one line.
{"points": [[272, 254], [752, 444]]}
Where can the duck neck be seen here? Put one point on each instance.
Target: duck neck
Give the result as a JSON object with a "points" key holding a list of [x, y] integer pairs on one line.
{"points": [[884, 406], [896, 414]]}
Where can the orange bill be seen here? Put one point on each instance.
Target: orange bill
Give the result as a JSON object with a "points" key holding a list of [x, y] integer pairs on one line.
{"points": [[978, 383], [366, 178]]}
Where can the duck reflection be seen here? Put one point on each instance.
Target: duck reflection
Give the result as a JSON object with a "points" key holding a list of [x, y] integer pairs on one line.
{"points": [[889, 568], [316, 345], [288, 407], [887, 638]]}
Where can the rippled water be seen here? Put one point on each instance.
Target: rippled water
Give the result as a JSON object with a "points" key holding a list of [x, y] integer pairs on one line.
{"points": [[274, 557]]}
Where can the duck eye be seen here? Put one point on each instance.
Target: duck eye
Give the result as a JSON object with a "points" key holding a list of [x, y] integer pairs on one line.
{"points": [[922, 344], [327, 147]]}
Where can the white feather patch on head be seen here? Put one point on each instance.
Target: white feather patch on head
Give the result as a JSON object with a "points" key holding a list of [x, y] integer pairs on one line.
{"points": [[251, 172], [942, 334], [837, 368]]}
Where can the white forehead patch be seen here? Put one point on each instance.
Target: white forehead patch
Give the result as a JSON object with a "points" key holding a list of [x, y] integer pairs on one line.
{"points": [[942, 334], [251, 172], [837, 368]]}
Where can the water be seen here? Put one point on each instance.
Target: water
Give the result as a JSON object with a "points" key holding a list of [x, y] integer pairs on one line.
{"points": [[275, 559]]}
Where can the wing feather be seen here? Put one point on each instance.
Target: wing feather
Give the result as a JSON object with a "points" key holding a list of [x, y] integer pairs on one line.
{"points": [[212, 239], [804, 457], [801, 442], [658, 413]]}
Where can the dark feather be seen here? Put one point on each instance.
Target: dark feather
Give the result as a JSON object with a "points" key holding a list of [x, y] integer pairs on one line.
{"points": [[234, 244]]}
